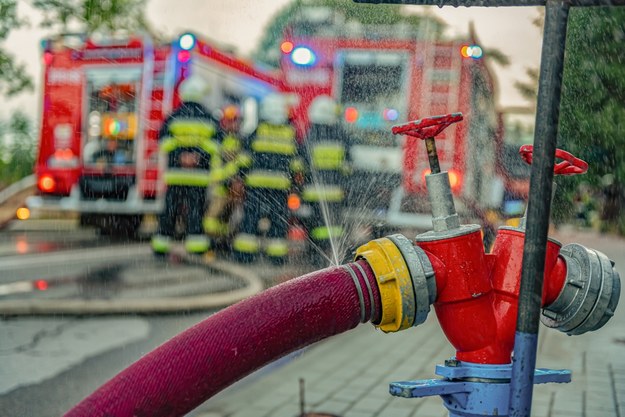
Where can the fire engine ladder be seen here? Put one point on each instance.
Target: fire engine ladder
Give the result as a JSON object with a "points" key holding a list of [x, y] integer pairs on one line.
{"points": [[153, 117], [441, 89]]}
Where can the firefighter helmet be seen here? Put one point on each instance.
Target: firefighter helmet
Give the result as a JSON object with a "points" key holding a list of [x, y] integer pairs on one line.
{"points": [[194, 89], [323, 110], [274, 109], [230, 118]]}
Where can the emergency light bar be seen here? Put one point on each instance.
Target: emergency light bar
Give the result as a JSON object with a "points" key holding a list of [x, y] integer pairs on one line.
{"points": [[303, 56]]}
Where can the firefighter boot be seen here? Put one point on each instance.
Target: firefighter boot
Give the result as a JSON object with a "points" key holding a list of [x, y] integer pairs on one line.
{"points": [[160, 245], [196, 244]]}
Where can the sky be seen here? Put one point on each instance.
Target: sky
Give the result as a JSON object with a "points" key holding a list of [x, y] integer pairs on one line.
{"points": [[240, 23]]}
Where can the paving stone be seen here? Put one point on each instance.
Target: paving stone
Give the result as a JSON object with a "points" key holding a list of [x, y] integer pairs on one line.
{"points": [[251, 412], [393, 410], [333, 407], [368, 404]]}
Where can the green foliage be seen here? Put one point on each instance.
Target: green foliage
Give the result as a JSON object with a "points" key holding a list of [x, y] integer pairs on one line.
{"points": [[17, 147], [93, 15], [593, 106], [368, 14], [13, 76], [529, 89]]}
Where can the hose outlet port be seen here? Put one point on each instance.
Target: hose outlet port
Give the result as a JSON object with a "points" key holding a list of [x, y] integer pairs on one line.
{"points": [[405, 279], [590, 293]]}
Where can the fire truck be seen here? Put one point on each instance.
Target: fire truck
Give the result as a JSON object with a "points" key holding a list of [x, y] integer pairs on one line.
{"points": [[104, 100], [386, 75]]}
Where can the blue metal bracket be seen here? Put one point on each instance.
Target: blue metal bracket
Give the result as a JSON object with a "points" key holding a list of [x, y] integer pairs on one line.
{"points": [[471, 390]]}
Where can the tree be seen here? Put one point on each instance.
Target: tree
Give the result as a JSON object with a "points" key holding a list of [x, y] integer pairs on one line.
{"points": [[13, 75], [94, 15], [529, 88], [17, 145], [361, 13], [593, 106]]}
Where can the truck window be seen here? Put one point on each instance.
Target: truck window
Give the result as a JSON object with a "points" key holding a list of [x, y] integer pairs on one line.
{"points": [[112, 118]]}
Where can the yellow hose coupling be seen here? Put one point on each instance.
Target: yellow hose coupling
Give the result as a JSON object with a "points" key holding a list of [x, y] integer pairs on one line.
{"points": [[393, 278]]}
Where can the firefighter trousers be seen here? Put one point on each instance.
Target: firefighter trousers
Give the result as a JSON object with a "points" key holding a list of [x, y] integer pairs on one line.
{"points": [[188, 201], [263, 203]]}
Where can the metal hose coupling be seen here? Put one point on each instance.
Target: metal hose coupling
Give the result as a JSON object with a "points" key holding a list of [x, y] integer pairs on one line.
{"points": [[590, 293], [405, 280]]}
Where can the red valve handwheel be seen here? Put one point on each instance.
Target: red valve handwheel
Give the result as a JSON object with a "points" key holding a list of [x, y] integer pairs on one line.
{"points": [[570, 165], [427, 127]]}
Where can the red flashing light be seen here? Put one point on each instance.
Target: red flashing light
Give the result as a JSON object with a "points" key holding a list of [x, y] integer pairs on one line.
{"points": [[351, 114], [41, 285], [286, 47], [293, 202], [48, 57], [454, 180], [46, 184], [64, 154], [425, 173], [184, 56]]}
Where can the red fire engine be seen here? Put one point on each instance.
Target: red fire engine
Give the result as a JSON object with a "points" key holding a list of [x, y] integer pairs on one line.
{"points": [[385, 75], [103, 105]]}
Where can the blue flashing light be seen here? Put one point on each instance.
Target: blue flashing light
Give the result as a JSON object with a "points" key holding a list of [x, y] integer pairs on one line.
{"points": [[186, 41], [303, 56], [476, 52], [390, 115]]}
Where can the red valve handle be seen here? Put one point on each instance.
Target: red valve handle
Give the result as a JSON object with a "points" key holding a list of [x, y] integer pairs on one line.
{"points": [[427, 127], [570, 165]]}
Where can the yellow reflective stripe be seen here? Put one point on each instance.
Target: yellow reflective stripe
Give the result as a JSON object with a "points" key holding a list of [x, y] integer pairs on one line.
{"points": [[230, 144], [273, 132], [220, 191], [214, 226], [297, 165], [267, 146], [230, 169], [246, 243], [168, 144], [189, 178], [191, 127], [328, 156], [326, 232], [277, 247], [244, 160], [264, 179], [323, 193], [211, 147]]}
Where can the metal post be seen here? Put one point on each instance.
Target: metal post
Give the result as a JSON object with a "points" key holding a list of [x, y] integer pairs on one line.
{"points": [[539, 207]]}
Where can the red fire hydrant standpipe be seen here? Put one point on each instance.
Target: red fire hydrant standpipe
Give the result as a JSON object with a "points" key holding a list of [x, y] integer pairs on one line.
{"points": [[193, 366], [477, 294]]}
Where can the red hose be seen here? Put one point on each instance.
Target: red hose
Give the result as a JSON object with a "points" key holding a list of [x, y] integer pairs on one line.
{"points": [[195, 365]]}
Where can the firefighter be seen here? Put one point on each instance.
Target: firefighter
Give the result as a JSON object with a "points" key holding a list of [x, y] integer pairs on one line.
{"points": [[324, 192], [189, 139], [228, 194], [274, 159]]}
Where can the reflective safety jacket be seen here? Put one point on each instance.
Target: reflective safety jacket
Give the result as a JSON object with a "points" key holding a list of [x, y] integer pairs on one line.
{"points": [[191, 129], [234, 160], [274, 157], [328, 161]]}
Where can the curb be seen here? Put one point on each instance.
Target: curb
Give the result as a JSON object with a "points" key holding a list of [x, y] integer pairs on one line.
{"points": [[141, 305]]}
